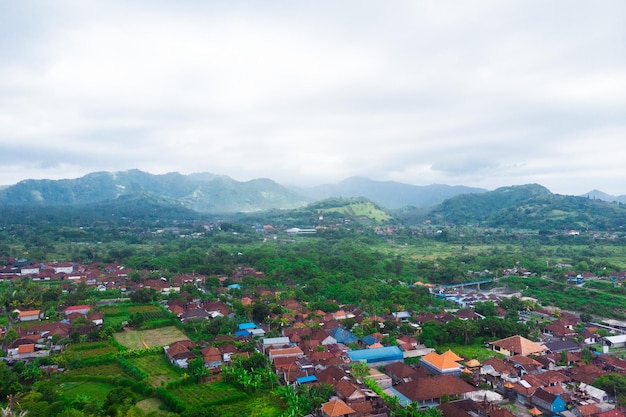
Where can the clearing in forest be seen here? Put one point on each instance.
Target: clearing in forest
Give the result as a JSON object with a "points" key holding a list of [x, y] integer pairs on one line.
{"points": [[142, 339]]}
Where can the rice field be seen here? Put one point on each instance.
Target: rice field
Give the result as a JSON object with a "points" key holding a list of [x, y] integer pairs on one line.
{"points": [[160, 370], [97, 391], [142, 339]]}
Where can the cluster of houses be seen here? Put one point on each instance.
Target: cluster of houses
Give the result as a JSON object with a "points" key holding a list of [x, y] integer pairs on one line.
{"points": [[40, 339], [548, 377]]}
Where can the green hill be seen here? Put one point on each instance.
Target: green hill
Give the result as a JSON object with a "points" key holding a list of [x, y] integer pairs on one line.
{"points": [[530, 207]]}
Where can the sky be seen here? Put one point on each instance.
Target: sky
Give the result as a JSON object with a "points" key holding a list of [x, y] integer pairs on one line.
{"points": [[482, 93]]}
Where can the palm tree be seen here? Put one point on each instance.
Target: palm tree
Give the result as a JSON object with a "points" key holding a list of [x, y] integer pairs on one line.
{"points": [[9, 410]]}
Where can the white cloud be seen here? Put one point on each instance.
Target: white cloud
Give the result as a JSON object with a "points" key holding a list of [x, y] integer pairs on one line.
{"points": [[483, 93]]}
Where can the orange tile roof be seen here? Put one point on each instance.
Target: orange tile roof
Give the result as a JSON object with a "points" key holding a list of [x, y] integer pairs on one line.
{"points": [[442, 362], [473, 363], [29, 313], [519, 345], [26, 348], [336, 408], [451, 355]]}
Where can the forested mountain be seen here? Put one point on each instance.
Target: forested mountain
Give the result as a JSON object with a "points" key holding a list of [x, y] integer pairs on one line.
{"points": [[210, 193], [530, 207], [599, 195], [390, 194], [138, 195], [200, 192]]}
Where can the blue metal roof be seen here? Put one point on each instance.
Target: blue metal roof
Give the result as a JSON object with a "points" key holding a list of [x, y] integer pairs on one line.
{"points": [[242, 333], [369, 340], [342, 335], [243, 326], [384, 354], [305, 379]]}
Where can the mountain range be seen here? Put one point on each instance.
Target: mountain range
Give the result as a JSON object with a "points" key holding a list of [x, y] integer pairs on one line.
{"points": [[210, 193], [127, 193]]}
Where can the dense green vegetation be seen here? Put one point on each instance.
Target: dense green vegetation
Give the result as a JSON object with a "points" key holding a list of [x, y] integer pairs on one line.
{"points": [[360, 254]]}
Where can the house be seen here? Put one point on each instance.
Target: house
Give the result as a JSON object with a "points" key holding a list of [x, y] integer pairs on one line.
{"points": [[430, 391], [565, 345], [558, 330], [349, 392], [516, 345], [526, 365], [179, 354], [194, 314], [446, 363], [586, 373], [586, 410], [82, 309], [273, 342], [401, 372], [323, 337], [369, 341], [288, 352], [402, 316], [590, 335], [96, 318], [227, 350], [342, 335], [467, 314], [331, 375], [615, 412], [21, 347], [48, 330], [29, 315], [615, 341], [336, 408], [212, 357], [407, 343], [548, 402], [460, 408]]}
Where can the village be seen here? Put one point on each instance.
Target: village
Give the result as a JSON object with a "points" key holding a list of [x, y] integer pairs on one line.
{"points": [[552, 375]]}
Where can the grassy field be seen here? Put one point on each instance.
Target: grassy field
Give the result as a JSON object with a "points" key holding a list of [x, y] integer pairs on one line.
{"points": [[470, 352], [360, 210], [112, 369], [229, 401], [160, 370], [142, 339], [85, 350], [94, 390], [215, 393], [151, 405], [265, 406], [114, 315], [613, 254]]}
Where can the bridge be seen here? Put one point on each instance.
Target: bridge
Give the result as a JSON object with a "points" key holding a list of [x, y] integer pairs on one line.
{"points": [[467, 284]]}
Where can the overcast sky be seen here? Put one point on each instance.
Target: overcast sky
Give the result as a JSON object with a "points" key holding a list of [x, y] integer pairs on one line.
{"points": [[476, 93]]}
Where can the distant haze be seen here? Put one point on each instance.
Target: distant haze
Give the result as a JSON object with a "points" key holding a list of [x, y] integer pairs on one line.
{"points": [[481, 94]]}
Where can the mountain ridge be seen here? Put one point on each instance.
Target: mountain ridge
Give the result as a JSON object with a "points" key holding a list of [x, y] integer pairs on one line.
{"points": [[211, 193], [207, 192]]}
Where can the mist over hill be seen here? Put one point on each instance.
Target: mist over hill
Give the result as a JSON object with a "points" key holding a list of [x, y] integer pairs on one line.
{"points": [[200, 192], [206, 192], [136, 193], [390, 194]]}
